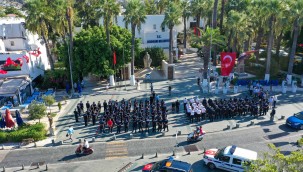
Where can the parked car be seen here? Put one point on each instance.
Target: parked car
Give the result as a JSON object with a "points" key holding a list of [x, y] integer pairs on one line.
{"points": [[295, 121], [169, 164]]}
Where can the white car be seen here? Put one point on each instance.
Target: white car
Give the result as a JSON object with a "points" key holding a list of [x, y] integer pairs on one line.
{"points": [[230, 158]]}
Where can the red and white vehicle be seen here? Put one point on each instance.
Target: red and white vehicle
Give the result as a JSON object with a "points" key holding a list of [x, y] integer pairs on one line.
{"points": [[230, 158]]}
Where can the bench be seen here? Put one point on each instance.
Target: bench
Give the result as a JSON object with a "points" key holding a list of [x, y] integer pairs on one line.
{"points": [[27, 141]]}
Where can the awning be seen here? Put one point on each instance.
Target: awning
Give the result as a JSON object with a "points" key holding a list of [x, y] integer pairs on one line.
{"points": [[10, 87]]}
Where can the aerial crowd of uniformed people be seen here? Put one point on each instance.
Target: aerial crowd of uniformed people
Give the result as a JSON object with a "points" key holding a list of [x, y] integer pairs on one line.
{"points": [[142, 116], [150, 115]]}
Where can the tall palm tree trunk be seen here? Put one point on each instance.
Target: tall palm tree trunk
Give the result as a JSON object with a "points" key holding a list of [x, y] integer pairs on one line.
{"points": [[293, 50], [185, 34], [171, 60], [107, 30], [214, 25], [222, 15], [49, 56], [279, 39], [198, 21], [229, 40], [258, 43], [133, 49], [269, 47], [206, 51]]}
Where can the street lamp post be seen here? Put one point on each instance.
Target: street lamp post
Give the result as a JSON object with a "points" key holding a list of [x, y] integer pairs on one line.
{"points": [[211, 42], [70, 70]]}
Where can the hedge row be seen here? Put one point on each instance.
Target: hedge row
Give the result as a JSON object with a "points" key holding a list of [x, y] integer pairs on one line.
{"points": [[36, 131]]}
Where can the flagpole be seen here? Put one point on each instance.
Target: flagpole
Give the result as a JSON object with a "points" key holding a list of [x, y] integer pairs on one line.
{"points": [[124, 75]]}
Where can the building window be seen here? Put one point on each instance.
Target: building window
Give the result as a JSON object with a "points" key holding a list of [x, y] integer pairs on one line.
{"points": [[163, 28], [12, 43], [155, 27]]}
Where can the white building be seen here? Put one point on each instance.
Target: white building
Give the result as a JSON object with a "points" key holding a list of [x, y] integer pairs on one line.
{"points": [[152, 34], [22, 59], [16, 42]]}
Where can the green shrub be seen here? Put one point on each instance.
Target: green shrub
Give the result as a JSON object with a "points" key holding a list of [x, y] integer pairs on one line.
{"points": [[36, 131], [3, 137], [300, 142], [155, 53]]}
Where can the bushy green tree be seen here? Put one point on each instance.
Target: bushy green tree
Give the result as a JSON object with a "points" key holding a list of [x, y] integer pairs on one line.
{"points": [[92, 54], [275, 161], [36, 110], [49, 100]]}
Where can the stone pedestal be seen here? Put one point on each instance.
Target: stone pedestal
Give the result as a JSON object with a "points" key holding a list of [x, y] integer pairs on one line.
{"points": [[112, 80], [52, 131], [132, 80], [217, 91], [235, 89], [294, 89], [224, 90], [284, 88]]}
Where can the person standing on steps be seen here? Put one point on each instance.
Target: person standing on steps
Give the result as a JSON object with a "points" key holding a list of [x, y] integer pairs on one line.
{"points": [[76, 115]]}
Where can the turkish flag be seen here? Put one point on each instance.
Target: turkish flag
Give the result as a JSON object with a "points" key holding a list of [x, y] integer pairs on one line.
{"points": [[114, 58], [227, 62], [300, 45]]}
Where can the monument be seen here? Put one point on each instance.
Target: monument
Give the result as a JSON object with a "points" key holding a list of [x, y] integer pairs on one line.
{"points": [[147, 61]]}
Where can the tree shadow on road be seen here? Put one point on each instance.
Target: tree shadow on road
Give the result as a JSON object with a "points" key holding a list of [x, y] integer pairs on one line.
{"points": [[70, 157]]}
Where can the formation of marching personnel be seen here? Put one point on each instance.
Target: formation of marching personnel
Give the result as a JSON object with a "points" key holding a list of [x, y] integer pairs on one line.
{"points": [[201, 109], [143, 116]]}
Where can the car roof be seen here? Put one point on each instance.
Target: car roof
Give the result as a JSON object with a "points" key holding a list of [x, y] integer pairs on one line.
{"points": [[178, 165], [241, 152]]}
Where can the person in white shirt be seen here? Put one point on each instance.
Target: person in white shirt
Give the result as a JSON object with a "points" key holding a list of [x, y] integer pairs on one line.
{"points": [[184, 103], [192, 115], [203, 110], [198, 114], [85, 145], [270, 101], [188, 111]]}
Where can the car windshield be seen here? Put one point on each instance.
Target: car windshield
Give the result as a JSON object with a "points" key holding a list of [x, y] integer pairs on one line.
{"points": [[299, 115], [219, 153], [158, 165]]}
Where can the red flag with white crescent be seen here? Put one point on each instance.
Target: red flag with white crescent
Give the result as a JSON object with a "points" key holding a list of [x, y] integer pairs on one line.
{"points": [[114, 58], [227, 62]]}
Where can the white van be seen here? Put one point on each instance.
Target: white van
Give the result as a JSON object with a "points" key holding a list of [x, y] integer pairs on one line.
{"points": [[230, 158]]}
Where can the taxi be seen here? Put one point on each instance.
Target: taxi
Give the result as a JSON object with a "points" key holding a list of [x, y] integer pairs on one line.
{"points": [[168, 165], [230, 158]]}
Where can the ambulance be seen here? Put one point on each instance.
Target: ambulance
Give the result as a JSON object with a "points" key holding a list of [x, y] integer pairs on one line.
{"points": [[230, 158]]}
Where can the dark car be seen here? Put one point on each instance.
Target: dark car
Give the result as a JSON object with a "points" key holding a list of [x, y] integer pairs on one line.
{"points": [[168, 165], [296, 121]]}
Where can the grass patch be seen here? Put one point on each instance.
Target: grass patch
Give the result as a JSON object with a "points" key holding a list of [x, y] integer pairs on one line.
{"points": [[35, 131]]}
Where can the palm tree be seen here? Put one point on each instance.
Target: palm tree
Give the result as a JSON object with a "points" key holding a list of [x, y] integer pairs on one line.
{"points": [[186, 13], [151, 7], [109, 9], [172, 18], [203, 43], [214, 26], [200, 8], [272, 9], [296, 9], [222, 15], [162, 5], [134, 15], [39, 16]]}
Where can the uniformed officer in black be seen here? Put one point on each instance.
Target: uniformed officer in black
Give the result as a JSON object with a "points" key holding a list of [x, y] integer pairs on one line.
{"points": [[87, 105], [81, 106], [105, 105], [135, 123], [76, 115], [177, 106], [126, 123], [165, 124], [94, 115], [85, 117], [118, 123], [154, 123]]}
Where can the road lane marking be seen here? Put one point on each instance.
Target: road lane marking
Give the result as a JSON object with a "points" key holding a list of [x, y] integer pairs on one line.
{"points": [[116, 150]]}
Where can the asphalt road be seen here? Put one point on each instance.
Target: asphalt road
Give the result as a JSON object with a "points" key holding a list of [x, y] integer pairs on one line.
{"points": [[254, 138]]}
